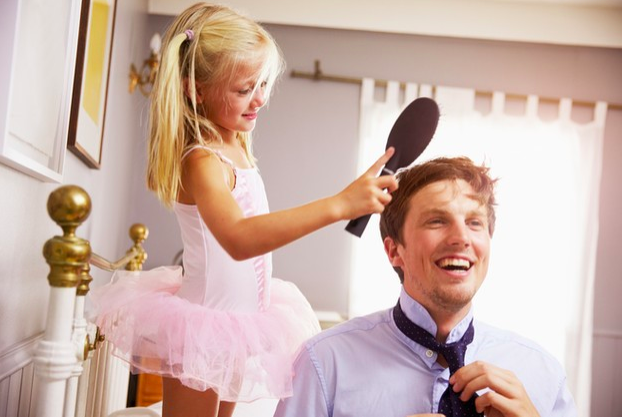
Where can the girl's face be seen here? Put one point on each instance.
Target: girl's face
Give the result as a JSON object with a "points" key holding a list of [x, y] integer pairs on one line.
{"points": [[236, 108]]}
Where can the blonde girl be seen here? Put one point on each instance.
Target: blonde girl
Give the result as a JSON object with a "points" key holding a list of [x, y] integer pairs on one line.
{"points": [[226, 331]]}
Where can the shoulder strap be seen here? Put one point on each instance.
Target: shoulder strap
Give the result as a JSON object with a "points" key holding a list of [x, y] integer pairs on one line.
{"points": [[219, 154], [214, 151]]}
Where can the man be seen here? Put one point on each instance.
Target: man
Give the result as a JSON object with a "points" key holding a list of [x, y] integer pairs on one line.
{"points": [[437, 232]]}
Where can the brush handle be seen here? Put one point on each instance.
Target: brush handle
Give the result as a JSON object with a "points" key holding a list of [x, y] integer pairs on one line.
{"points": [[357, 226]]}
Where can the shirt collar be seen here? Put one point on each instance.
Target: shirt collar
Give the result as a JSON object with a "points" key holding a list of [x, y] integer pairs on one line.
{"points": [[420, 316]]}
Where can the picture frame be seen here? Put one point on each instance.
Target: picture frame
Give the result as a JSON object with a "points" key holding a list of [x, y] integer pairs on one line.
{"points": [[90, 87], [39, 40]]}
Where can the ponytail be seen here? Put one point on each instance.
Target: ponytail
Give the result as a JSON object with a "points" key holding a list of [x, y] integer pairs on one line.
{"points": [[167, 134]]}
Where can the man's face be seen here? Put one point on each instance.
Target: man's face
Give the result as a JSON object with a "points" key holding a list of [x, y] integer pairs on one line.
{"points": [[446, 246]]}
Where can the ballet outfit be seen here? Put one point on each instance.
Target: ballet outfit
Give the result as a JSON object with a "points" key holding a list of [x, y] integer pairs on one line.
{"points": [[223, 324]]}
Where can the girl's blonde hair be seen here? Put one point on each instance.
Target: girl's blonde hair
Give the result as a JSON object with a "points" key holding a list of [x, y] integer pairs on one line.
{"points": [[220, 44]]}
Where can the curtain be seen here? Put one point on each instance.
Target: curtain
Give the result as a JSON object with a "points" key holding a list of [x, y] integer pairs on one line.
{"points": [[368, 292], [541, 276]]}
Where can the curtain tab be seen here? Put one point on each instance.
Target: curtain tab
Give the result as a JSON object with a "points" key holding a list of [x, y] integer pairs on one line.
{"points": [[498, 103], [531, 110], [600, 113], [425, 90], [565, 109], [454, 100], [393, 92], [410, 93], [367, 90]]}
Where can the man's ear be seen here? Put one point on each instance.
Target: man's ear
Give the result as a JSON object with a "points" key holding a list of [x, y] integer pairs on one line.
{"points": [[390, 248], [189, 91]]}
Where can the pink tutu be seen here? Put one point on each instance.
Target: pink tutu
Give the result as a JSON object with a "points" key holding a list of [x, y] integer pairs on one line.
{"points": [[241, 356]]}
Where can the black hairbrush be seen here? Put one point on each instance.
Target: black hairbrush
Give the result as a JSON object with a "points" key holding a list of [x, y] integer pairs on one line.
{"points": [[412, 132]]}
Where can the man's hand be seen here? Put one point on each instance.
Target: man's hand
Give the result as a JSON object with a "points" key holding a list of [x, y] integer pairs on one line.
{"points": [[507, 397], [426, 415]]}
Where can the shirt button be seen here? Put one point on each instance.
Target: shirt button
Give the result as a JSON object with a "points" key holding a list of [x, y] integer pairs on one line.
{"points": [[429, 353]]}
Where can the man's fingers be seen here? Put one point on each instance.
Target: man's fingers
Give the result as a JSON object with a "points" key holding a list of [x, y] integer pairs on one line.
{"points": [[507, 395], [426, 415], [480, 375], [496, 404], [496, 383]]}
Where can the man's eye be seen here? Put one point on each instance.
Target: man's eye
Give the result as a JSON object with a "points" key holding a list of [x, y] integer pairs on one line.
{"points": [[476, 223]]}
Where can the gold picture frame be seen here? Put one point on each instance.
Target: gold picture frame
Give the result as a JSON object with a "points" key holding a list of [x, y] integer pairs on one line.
{"points": [[90, 87]]}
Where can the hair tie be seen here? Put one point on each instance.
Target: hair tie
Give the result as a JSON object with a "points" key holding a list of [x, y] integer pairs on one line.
{"points": [[190, 34]]}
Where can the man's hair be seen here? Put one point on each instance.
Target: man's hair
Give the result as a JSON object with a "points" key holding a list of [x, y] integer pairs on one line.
{"points": [[413, 179]]}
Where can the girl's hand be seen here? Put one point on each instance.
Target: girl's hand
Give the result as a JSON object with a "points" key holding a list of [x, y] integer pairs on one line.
{"points": [[367, 193]]}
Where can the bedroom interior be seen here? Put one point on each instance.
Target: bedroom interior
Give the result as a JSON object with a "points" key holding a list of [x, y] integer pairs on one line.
{"points": [[553, 50]]}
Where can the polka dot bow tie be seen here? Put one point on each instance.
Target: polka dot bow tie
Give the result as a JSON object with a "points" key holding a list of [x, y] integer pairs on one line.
{"points": [[450, 404]]}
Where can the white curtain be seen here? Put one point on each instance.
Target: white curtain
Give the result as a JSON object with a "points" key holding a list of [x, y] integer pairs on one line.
{"points": [[368, 291], [541, 277]]}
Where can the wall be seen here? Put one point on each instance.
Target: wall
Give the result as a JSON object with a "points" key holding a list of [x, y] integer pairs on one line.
{"points": [[26, 225], [306, 142], [560, 22]]}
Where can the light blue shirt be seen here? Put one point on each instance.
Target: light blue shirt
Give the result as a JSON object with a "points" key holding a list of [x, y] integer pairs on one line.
{"points": [[366, 367]]}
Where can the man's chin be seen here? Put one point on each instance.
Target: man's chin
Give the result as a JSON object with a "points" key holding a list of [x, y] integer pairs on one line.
{"points": [[455, 301]]}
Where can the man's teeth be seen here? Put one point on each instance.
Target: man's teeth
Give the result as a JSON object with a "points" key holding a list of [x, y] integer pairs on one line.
{"points": [[454, 263]]}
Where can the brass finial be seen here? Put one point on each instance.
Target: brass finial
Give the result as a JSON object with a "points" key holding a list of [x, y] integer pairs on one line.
{"points": [[68, 206], [138, 233]]}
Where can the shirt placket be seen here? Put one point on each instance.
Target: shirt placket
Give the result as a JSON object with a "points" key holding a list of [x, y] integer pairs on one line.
{"points": [[441, 382]]}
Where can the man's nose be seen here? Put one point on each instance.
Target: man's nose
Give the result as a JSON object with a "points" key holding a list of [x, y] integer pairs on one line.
{"points": [[459, 235]]}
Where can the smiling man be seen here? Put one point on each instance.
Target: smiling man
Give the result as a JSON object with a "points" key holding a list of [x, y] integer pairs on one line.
{"points": [[428, 354]]}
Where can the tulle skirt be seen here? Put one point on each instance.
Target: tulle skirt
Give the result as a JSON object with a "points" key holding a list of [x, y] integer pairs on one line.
{"points": [[241, 356]]}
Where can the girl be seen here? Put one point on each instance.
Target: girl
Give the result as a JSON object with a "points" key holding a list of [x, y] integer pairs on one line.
{"points": [[228, 331]]}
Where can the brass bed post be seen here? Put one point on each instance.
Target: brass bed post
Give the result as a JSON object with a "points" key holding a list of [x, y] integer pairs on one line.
{"points": [[111, 381], [59, 357], [138, 233], [55, 357]]}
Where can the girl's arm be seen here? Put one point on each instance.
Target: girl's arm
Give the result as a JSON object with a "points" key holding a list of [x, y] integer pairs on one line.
{"points": [[245, 237]]}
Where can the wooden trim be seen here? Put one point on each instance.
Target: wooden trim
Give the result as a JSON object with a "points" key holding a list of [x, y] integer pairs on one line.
{"points": [[18, 356]]}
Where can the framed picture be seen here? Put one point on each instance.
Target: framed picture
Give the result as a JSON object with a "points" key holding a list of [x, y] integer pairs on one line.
{"points": [[90, 87], [39, 43]]}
